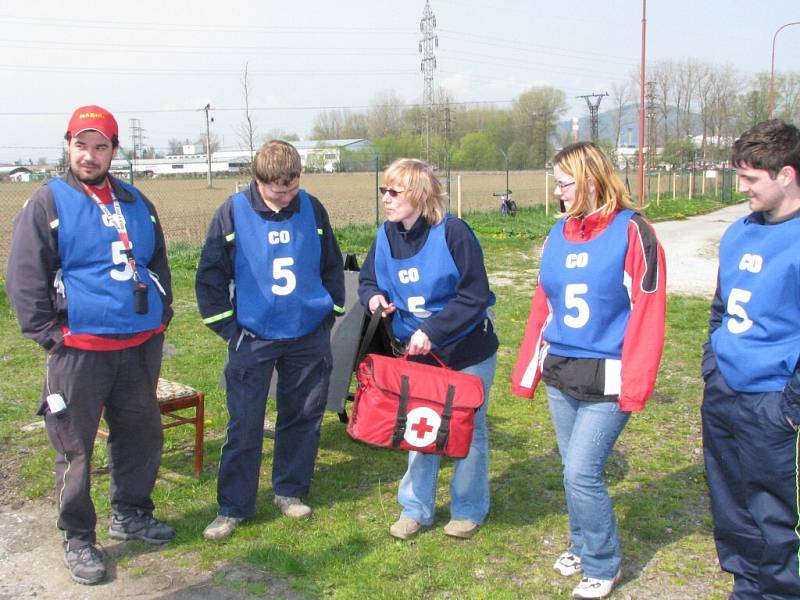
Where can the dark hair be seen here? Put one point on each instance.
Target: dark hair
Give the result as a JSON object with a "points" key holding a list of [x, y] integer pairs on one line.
{"points": [[769, 145], [114, 139]]}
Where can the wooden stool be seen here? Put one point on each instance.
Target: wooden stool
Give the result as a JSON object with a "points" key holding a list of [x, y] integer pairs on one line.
{"points": [[173, 396]]}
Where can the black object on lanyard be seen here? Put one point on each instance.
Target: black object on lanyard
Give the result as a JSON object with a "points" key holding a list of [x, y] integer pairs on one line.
{"points": [[117, 219]]}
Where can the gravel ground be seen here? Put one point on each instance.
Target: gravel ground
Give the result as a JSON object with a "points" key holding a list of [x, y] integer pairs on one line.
{"points": [[691, 247]]}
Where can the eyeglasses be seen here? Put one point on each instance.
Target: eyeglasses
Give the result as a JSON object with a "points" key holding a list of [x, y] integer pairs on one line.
{"points": [[563, 186], [392, 192]]}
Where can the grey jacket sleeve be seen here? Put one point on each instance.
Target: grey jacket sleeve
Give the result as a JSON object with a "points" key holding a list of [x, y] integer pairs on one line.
{"points": [[32, 265]]}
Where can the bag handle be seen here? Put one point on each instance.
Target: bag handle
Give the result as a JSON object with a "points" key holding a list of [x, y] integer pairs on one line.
{"points": [[431, 354], [374, 321]]}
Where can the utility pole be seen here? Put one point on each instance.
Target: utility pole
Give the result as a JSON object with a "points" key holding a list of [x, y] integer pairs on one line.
{"points": [[594, 107], [207, 108], [641, 105], [447, 144], [137, 138], [650, 114], [427, 44]]}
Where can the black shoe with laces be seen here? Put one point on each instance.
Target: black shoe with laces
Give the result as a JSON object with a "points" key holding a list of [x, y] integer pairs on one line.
{"points": [[85, 564], [140, 525]]}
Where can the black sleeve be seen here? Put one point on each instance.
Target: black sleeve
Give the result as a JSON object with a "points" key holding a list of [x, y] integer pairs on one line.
{"points": [[215, 274], [159, 264], [472, 293], [32, 265], [331, 261], [714, 321]]}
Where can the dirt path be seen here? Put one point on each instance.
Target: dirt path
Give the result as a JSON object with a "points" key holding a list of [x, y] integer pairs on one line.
{"points": [[691, 247], [31, 559]]}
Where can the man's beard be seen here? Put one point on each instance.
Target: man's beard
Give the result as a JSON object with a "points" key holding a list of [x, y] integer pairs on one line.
{"points": [[95, 181]]}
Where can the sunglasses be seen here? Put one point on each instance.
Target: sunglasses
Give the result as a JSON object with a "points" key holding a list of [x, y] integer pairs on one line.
{"points": [[392, 192]]}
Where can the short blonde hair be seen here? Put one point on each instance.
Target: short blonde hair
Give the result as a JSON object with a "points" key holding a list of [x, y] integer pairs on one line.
{"points": [[421, 186], [277, 162], [585, 162]]}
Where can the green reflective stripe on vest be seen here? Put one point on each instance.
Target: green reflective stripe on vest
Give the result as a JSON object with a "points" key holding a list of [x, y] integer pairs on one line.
{"points": [[219, 317], [230, 236], [319, 231], [53, 223], [338, 309], [153, 218]]}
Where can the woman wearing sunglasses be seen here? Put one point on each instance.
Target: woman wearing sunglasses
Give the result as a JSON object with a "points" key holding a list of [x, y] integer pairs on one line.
{"points": [[595, 334], [425, 268]]}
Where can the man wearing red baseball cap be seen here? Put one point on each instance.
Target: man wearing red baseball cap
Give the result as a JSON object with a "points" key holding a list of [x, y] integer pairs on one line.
{"points": [[89, 280]]}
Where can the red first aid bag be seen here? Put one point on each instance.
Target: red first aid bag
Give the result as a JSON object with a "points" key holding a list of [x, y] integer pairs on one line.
{"points": [[408, 405]]}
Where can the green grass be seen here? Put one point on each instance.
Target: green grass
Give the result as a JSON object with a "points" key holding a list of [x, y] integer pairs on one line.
{"points": [[655, 474]]}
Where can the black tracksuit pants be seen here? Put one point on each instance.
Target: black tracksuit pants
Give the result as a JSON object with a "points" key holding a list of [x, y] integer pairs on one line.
{"points": [[751, 455], [123, 382]]}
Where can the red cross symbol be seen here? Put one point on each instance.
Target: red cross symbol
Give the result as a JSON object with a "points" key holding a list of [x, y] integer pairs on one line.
{"points": [[421, 427]]}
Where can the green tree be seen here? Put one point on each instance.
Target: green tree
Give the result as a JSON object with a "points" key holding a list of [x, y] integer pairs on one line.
{"points": [[475, 152], [678, 152], [537, 111], [519, 156], [390, 147]]}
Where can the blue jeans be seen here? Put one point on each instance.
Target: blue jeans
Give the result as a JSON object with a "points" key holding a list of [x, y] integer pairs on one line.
{"points": [[469, 486], [586, 432]]}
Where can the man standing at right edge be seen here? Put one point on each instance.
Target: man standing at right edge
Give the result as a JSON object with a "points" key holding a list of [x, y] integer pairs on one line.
{"points": [[751, 403]]}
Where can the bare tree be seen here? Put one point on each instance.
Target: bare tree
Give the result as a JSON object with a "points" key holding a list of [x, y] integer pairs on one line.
{"points": [[327, 125], [176, 146], [247, 129], [385, 115], [621, 96], [276, 133]]}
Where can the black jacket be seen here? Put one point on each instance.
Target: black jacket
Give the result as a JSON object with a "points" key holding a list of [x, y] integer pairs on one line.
{"points": [[471, 298], [215, 272]]}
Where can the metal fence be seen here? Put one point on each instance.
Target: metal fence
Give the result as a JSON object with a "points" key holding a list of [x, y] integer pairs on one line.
{"points": [[186, 205]]}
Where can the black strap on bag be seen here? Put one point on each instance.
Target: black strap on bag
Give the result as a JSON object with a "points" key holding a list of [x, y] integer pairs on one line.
{"points": [[402, 417], [374, 321], [447, 414]]}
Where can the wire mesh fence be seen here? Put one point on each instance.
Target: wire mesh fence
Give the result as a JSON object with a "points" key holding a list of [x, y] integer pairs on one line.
{"points": [[186, 205]]}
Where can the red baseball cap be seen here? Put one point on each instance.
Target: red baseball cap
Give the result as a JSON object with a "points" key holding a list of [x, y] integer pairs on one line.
{"points": [[94, 118]]}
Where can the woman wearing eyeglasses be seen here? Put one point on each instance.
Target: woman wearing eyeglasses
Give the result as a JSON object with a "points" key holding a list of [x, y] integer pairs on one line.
{"points": [[595, 334], [425, 268]]}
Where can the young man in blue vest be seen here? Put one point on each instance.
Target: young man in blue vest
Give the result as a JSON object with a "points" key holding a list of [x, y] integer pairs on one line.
{"points": [[270, 281], [751, 405], [89, 280]]}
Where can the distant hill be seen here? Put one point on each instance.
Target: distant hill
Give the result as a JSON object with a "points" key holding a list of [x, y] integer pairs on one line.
{"points": [[629, 130]]}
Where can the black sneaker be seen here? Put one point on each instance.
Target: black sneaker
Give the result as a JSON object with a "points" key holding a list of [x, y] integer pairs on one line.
{"points": [[85, 564], [140, 525]]}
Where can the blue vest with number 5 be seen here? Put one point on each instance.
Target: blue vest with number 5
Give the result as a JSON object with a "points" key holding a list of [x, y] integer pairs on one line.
{"points": [[585, 285], [279, 291], [757, 346], [419, 286], [97, 279]]}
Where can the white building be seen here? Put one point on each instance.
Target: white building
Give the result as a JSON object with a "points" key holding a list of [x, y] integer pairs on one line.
{"points": [[315, 155]]}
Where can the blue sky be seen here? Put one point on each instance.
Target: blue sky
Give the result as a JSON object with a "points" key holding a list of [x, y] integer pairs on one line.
{"points": [[160, 62]]}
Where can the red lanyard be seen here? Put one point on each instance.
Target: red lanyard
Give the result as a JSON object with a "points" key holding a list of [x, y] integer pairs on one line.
{"points": [[117, 219]]}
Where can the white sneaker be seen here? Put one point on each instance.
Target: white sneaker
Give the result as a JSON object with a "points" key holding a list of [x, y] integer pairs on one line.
{"points": [[568, 564], [293, 507], [220, 527], [589, 587]]}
